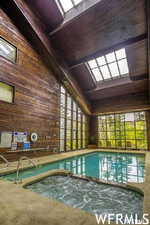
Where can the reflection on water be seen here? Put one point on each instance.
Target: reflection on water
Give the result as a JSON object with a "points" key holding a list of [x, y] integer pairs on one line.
{"points": [[108, 166], [117, 167]]}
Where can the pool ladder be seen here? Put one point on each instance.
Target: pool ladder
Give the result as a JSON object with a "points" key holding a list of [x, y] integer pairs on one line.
{"points": [[17, 180], [5, 160]]}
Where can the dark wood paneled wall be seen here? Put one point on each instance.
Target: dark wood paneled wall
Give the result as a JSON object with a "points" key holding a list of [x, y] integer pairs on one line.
{"points": [[36, 106], [123, 103], [93, 131]]}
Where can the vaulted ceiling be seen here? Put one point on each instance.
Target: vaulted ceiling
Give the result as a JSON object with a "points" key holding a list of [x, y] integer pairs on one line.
{"points": [[102, 28], [95, 28]]}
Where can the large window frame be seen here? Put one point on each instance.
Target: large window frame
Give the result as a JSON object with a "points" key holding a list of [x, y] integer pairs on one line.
{"points": [[111, 66], [123, 131], [8, 50], [9, 88], [73, 124], [72, 4]]}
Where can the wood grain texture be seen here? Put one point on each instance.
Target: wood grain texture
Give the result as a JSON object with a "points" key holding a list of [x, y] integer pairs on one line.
{"points": [[126, 103], [108, 23], [36, 105]]}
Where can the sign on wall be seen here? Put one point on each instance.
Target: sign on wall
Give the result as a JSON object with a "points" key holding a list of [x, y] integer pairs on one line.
{"points": [[5, 139], [20, 137]]}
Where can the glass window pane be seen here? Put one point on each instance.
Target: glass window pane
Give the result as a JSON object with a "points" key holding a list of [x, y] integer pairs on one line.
{"points": [[111, 126], [77, 1], [67, 5], [102, 135], [62, 112], [140, 125], [114, 69], [123, 131], [129, 126], [105, 72], [72, 123], [101, 61], [140, 134], [62, 123], [62, 142], [130, 144], [139, 116], [68, 144], [102, 143], [123, 66], [62, 133], [129, 117], [92, 63], [69, 101], [141, 144], [7, 50], [6, 92], [62, 100], [97, 74], [110, 57], [74, 107], [62, 90], [68, 124], [120, 54]]}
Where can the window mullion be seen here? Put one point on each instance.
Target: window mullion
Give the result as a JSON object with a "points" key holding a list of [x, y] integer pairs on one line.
{"points": [[98, 67], [61, 6], [117, 64], [65, 149], [107, 64], [73, 2]]}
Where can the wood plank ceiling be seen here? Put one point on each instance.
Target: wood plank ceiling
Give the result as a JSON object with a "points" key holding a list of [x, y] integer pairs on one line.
{"points": [[106, 26]]}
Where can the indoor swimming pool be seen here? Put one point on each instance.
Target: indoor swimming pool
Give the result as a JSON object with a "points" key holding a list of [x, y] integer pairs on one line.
{"points": [[108, 166]]}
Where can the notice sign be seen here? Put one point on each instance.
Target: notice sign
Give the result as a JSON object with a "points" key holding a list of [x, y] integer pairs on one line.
{"points": [[20, 137]]}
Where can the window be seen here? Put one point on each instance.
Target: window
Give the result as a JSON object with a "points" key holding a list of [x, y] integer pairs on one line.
{"points": [[6, 92], [126, 130], [110, 66], [66, 5], [7, 50], [73, 124]]}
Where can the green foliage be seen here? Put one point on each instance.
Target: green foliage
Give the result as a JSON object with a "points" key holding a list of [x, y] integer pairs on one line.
{"points": [[123, 130]]}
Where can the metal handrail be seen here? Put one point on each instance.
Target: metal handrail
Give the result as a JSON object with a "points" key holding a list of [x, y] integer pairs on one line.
{"points": [[5, 160], [18, 167]]}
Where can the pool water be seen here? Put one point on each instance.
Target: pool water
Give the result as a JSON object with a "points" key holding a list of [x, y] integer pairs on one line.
{"points": [[116, 167], [90, 196]]}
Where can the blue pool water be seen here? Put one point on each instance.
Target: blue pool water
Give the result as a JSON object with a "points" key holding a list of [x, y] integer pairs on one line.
{"points": [[90, 196], [116, 167]]}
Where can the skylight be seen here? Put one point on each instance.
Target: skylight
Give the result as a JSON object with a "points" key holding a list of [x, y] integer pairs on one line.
{"points": [[66, 5], [110, 66]]}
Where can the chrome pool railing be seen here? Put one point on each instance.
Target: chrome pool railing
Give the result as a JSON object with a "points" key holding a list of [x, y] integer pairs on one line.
{"points": [[5, 160], [18, 167]]}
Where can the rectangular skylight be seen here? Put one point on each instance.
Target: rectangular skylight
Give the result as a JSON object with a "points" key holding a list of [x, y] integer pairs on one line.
{"points": [[66, 5], [110, 66]]}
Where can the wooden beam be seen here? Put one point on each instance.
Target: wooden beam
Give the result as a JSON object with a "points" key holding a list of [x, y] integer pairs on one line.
{"points": [[126, 103], [33, 30], [117, 82], [109, 49]]}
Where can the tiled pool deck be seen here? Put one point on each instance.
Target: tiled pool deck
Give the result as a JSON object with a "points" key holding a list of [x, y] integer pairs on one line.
{"points": [[20, 206]]}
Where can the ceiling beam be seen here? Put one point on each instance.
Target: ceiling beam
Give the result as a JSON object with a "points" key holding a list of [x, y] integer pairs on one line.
{"points": [[107, 50], [117, 82]]}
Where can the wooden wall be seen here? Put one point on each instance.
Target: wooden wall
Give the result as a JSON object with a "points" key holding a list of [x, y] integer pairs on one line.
{"points": [[125, 103], [36, 105]]}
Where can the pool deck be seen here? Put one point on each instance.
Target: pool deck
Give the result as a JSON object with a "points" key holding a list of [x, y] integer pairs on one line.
{"points": [[19, 206]]}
